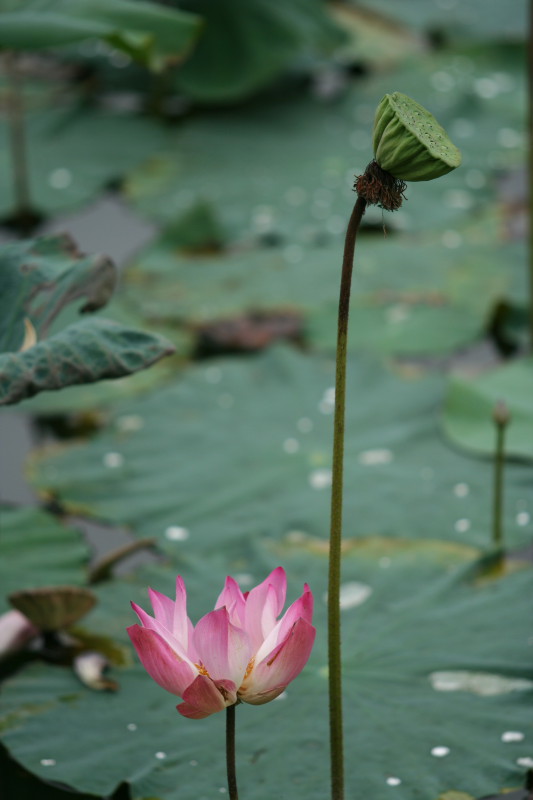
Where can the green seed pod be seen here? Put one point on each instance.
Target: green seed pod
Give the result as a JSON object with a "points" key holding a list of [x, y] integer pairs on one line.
{"points": [[409, 142]]}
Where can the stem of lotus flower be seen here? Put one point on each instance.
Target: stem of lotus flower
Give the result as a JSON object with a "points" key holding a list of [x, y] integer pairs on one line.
{"points": [[230, 753], [334, 621]]}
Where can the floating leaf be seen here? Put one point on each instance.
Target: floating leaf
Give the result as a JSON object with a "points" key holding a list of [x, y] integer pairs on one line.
{"points": [[285, 167], [419, 616], [375, 40], [75, 152], [478, 20], [152, 34], [244, 47], [408, 297], [455, 796], [470, 403], [38, 550], [235, 449]]}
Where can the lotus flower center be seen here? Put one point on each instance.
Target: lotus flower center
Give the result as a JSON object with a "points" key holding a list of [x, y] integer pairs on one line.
{"points": [[202, 670]]}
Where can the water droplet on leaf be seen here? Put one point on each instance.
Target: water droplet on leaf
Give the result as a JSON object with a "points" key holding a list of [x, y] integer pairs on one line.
{"points": [[60, 178], [113, 460], [440, 752], [512, 736], [372, 458], [291, 446], [175, 533], [320, 478]]}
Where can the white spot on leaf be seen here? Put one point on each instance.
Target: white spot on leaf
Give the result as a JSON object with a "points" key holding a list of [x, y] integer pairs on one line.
{"points": [[372, 458], [304, 425], [461, 489], [440, 752], [60, 178], [175, 533], [481, 683], [392, 781], [113, 460], [291, 446], [513, 736], [320, 479]]}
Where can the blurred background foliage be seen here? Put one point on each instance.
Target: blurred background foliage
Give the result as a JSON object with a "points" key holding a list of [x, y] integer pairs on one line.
{"points": [[232, 132]]}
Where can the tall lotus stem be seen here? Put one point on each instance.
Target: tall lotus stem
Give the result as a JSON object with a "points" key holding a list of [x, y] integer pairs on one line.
{"points": [[334, 633], [409, 144]]}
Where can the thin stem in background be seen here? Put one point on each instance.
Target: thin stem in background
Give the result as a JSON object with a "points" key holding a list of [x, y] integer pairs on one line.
{"points": [[17, 138], [530, 171], [334, 621], [230, 753], [501, 419]]}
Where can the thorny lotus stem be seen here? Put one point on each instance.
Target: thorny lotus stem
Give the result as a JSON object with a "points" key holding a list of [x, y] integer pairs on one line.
{"points": [[334, 621], [501, 418], [230, 753]]}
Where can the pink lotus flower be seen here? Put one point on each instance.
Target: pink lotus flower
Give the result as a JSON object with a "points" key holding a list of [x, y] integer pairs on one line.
{"points": [[239, 651]]}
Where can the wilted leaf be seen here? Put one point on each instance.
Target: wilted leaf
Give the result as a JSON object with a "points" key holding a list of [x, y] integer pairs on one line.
{"points": [[41, 278]]}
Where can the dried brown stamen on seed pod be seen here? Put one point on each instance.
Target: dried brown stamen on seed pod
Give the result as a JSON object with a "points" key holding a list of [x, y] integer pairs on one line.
{"points": [[379, 188]]}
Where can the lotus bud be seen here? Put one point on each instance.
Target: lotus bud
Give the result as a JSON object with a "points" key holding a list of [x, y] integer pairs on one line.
{"points": [[501, 414], [90, 666], [409, 142], [16, 631]]}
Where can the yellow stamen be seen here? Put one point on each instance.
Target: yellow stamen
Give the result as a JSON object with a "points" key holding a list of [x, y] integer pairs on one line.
{"points": [[249, 668]]}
